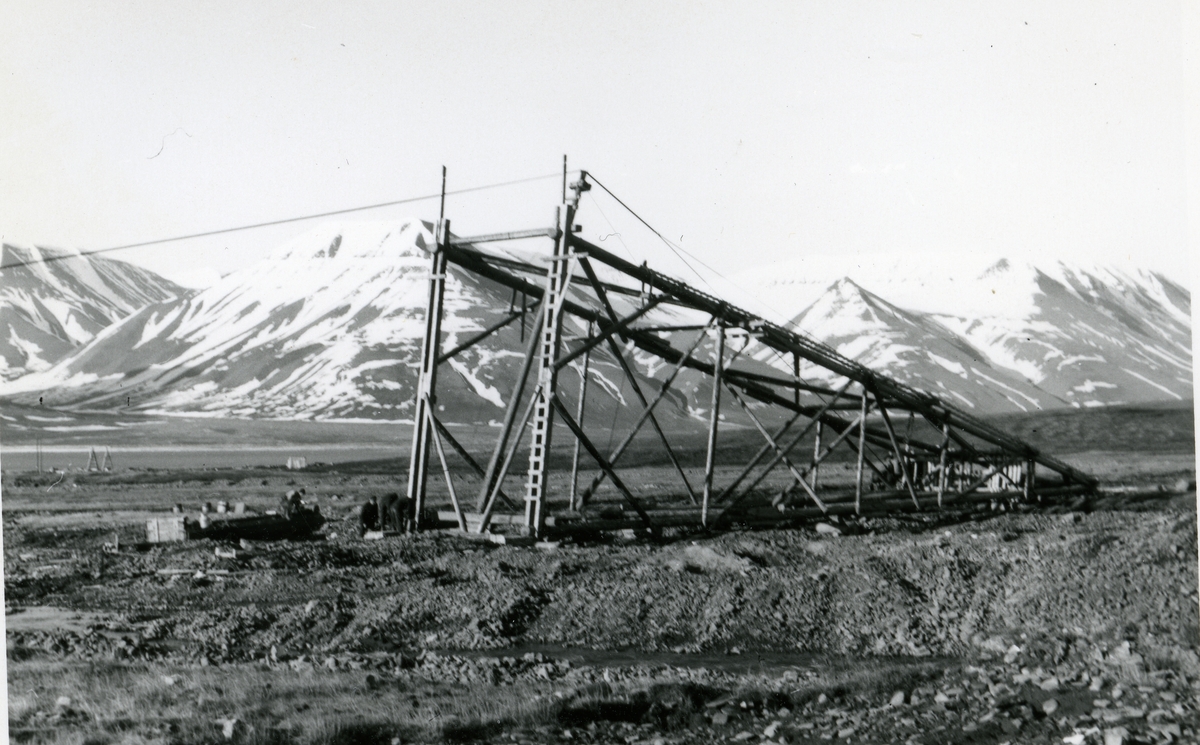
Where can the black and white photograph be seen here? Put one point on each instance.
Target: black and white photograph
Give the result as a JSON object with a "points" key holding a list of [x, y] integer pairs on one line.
{"points": [[645, 373]]}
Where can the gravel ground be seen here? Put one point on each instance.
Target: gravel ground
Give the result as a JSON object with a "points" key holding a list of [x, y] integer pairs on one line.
{"points": [[1022, 627]]}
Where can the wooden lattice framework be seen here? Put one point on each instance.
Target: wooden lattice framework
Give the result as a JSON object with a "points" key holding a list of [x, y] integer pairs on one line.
{"points": [[855, 414]]}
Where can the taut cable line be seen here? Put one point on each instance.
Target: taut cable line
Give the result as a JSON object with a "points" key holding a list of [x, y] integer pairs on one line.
{"points": [[284, 221]]}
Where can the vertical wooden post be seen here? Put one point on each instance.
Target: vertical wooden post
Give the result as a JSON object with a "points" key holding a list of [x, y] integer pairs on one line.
{"points": [[1030, 479], [796, 375], [862, 439], [941, 488], [816, 454], [583, 382], [418, 467], [548, 342], [709, 460]]}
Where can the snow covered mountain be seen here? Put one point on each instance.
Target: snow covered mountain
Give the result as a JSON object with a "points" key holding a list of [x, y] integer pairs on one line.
{"points": [[329, 326], [913, 348], [1047, 334], [48, 309]]}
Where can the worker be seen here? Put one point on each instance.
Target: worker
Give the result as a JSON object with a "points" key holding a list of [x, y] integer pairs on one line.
{"points": [[368, 517], [291, 503], [394, 511], [386, 512]]}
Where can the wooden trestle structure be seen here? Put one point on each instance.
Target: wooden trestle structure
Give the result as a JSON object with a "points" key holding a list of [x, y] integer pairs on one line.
{"points": [[968, 462]]}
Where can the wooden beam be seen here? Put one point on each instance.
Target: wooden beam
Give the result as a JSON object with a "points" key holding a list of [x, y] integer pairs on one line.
{"points": [[490, 502], [628, 439], [510, 414], [775, 446], [858, 471], [579, 410], [418, 467], [602, 462], [887, 422], [607, 334], [479, 337], [462, 452], [441, 453], [713, 420], [941, 487]]}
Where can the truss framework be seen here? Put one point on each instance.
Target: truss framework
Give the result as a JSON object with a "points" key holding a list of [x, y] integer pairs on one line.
{"points": [[894, 472]]}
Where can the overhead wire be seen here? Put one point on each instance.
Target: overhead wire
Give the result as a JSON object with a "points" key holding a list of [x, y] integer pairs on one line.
{"points": [[617, 235], [271, 223], [675, 248]]}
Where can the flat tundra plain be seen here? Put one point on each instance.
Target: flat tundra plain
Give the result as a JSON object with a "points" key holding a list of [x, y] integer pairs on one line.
{"points": [[1030, 626]]}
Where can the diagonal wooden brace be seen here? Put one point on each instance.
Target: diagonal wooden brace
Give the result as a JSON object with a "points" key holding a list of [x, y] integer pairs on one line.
{"points": [[600, 461]]}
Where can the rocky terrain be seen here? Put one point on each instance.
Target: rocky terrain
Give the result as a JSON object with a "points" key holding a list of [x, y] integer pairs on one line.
{"points": [[1021, 627]]}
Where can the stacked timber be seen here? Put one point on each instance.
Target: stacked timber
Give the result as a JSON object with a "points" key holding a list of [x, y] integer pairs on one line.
{"points": [[236, 526]]}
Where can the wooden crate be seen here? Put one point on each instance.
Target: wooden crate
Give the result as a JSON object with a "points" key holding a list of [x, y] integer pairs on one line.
{"points": [[166, 530]]}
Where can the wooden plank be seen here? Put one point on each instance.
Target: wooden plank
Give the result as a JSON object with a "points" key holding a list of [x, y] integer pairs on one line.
{"points": [[713, 420]]}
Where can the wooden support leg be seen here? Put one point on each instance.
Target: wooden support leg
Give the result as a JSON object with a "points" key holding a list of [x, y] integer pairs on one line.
{"points": [[462, 453], [583, 382], [816, 453], [418, 467], [510, 414], [862, 443], [437, 444], [941, 488], [714, 418], [887, 422]]}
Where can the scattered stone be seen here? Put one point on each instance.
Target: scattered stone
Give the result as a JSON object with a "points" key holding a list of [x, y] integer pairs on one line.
{"points": [[1011, 655], [720, 718], [771, 729], [1115, 736], [743, 735], [897, 699], [62, 702], [847, 732], [228, 727], [826, 529], [1049, 684], [1050, 705]]}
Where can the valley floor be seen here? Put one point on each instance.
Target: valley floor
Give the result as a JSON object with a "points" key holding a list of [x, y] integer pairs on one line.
{"points": [[1018, 627]]}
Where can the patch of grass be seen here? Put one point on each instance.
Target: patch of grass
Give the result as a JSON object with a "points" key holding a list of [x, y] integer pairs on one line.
{"points": [[126, 702]]}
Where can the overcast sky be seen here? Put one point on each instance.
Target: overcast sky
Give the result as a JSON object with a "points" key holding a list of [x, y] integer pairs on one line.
{"points": [[748, 132]]}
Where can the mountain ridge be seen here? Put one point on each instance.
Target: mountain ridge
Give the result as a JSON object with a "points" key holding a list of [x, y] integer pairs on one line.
{"points": [[54, 301], [329, 327]]}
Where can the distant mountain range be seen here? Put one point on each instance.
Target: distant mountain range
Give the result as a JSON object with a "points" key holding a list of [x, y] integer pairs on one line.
{"points": [[56, 301], [1038, 336], [329, 327]]}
